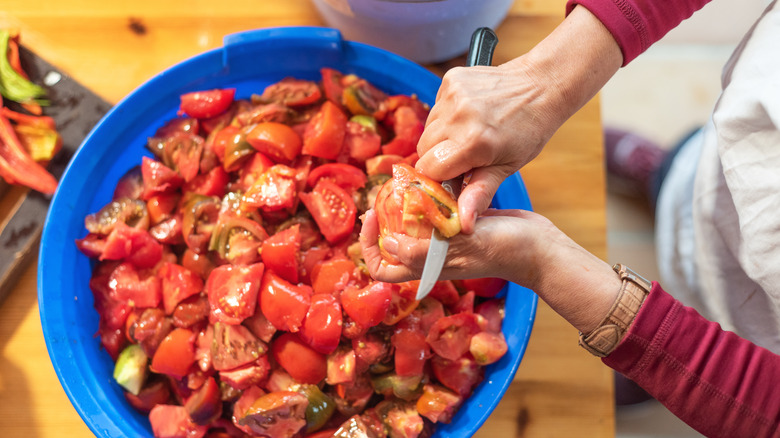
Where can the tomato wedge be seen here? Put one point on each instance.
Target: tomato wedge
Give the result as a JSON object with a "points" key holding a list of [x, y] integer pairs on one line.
{"points": [[332, 208], [324, 135], [283, 303], [291, 92], [301, 361], [281, 252], [276, 140], [322, 327], [367, 306], [232, 292], [348, 177], [176, 354], [206, 104]]}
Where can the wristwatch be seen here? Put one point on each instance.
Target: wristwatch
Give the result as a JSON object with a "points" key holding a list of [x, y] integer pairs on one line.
{"points": [[608, 334]]}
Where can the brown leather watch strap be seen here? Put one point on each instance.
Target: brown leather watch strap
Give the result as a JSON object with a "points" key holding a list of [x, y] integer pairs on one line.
{"points": [[608, 334]]}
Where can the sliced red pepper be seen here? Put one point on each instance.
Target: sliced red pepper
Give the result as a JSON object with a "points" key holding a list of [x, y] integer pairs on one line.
{"points": [[16, 165]]}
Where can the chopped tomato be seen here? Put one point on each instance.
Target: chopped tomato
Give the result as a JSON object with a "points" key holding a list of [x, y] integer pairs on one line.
{"points": [[332, 276], [207, 104], [232, 292], [192, 311], [233, 346], [245, 376], [487, 347], [276, 140], [154, 392], [260, 326], [199, 263], [324, 135], [382, 164], [360, 97], [283, 303], [341, 366], [169, 421], [212, 183], [139, 289], [176, 354], [292, 92], [368, 306], [465, 303], [301, 361], [411, 349], [161, 207], [158, 178], [349, 178], [408, 129], [438, 404], [331, 84], [460, 375], [493, 312], [205, 404], [252, 170], [402, 303], [322, 327], [371, 348], [451, 335], [361, 142], [445, 292], [281, 252], [132, 245], [274, 190], [178, 283], [332, 208]]}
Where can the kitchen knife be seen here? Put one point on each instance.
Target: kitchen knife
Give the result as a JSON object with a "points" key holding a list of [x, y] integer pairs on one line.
{"points": [[483, 42], [76, 110]]}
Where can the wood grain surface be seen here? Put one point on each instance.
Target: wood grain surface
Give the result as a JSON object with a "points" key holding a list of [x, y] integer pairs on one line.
{"points": [[113, 47]]}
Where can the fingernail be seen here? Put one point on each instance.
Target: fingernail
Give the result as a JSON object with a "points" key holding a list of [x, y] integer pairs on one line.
{"points": [[390, 244]]}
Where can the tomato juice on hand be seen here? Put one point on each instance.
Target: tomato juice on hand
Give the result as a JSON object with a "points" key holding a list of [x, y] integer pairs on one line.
{"points": [[229, 256]]}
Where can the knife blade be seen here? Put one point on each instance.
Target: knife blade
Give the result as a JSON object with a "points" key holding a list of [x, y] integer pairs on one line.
{"points": [[75, 110], [483, 43]]}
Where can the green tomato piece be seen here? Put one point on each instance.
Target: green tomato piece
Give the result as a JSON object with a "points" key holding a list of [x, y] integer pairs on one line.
{"points": [[131, 368]]}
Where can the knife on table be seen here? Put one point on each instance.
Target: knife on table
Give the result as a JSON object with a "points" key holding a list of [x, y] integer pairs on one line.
{"points": [[483, 42], [75, 109]]}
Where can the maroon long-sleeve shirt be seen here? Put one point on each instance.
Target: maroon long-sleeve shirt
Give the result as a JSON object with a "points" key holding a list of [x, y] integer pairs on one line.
{"points": [[720, 384]]}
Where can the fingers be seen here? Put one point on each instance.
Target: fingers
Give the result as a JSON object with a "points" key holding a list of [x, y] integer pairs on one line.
{"points": [[478, 194], [378, 267]]}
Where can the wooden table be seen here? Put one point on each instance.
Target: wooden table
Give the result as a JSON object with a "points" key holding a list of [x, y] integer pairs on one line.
{"points": [[112, 47]]}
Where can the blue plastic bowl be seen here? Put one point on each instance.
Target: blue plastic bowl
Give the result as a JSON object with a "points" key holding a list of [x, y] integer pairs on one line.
{"points": [[248, 62]]}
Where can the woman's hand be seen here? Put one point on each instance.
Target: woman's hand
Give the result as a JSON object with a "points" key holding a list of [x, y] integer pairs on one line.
{"points": [[491, 121], [517, 245]]}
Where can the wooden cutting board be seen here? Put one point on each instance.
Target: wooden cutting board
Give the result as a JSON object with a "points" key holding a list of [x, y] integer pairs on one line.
{"points": [[76, 110]]}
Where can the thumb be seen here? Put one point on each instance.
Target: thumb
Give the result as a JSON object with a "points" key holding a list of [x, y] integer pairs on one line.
{"points": [[477, 195]]}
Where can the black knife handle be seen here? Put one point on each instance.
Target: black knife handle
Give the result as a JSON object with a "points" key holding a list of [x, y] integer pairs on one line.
{"points": [[483, 42]]}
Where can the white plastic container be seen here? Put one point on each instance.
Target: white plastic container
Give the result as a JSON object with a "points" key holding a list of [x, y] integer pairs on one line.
{"points": [[425, 31]]}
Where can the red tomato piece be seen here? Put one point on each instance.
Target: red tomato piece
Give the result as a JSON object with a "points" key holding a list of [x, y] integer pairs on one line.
{"points": [[199, 263], [274, 190], [132, 245], [310, 258], [178, 283], [371, 348], [408, 129], [260, 326], [158, 178], [322, 327], [324, 135], [361, 142], [154, 392], [205, 404], [332, 208], [482, 287], [211, 183], [382, 164], [487, 347], [277, 141], [445, 292], [348, 177], [282, 251], [162, 206], [402, 302], [493, 312], [460, 375], [428, 311], [465, 304], [292, 92], [334, 275], [249, 375], [301, 361], [411, 350], [341, 366], [206, 104], [138, 289], [252, 170], [233, 346], [368, 306], [176, 354], [169, 421], [283, 303], [331, 84], [450, 336], [438, 404], [232, 292]]}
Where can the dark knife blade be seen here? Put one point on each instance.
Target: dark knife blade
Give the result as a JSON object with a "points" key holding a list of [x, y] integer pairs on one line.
{"points": [[76, 110]]}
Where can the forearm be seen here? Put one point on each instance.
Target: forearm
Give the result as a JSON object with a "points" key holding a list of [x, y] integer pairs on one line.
{"points": [[576, 60]]}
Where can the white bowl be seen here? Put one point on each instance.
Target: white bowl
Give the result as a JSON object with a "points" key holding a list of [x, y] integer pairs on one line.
{"points": [[425, 31]]}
